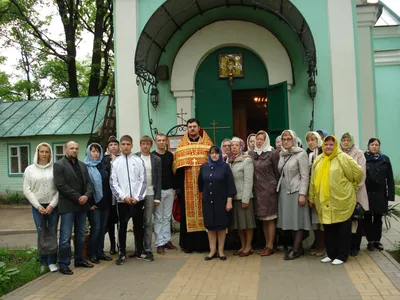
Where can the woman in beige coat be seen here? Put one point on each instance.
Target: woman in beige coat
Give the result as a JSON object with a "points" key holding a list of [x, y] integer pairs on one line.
{"points": [[243, 212], [347, 145]]}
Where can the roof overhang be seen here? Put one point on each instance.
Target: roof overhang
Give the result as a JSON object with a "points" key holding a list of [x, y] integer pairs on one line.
{"points": [[172, 15]]}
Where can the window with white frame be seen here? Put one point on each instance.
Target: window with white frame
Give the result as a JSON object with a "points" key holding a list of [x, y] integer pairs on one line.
{"points": [[58, 150], [18, 156]]}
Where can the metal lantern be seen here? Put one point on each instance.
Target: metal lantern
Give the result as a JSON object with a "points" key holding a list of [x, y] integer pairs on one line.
{"points": [[154, 97], [312, 88]]}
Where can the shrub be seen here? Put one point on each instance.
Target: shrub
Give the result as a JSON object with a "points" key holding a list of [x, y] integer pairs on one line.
{"points": [[13, 197]]}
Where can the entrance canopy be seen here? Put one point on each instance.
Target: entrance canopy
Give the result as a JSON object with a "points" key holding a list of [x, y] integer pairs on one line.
{"points": [[173, 14]]}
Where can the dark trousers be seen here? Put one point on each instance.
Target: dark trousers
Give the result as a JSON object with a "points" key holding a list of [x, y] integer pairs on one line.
{"points": [[97, 220], [125, 212], [110, 228], [357, 237], [338, 240], [373, 226]]}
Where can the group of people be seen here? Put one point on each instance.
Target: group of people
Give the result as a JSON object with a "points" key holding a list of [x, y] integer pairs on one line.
{"points": [[332, 189], [106, 189]]}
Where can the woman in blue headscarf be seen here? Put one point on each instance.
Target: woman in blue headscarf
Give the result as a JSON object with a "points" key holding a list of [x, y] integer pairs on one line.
{"points": [[218, 187], [98, 213]]}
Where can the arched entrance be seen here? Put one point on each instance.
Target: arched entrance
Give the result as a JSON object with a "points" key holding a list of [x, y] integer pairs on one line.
{"points": [[238, 108], [181, 37]]}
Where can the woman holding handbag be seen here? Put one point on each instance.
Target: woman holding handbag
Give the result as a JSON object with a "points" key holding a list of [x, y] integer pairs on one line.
{"points": [[40, 190], [348, 146]]}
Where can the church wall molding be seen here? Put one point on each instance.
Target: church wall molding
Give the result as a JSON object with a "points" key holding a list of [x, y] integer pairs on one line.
{"points": [[387, 58]]}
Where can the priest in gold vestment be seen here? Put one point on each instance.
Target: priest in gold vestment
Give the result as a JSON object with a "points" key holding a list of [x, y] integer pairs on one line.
{"points": [[191, 153]]}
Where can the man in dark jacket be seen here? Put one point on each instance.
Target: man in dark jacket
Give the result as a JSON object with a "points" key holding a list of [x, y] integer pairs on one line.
{"points": [[75, 188]]}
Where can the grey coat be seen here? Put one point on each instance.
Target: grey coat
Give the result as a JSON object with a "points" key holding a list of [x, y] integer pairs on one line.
{"points": [[243, 174], [156, 173], [294, 170], [68, 186]]}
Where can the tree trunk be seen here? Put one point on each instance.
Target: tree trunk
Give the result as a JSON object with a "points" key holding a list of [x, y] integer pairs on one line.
{"points": [[94, 81], [69, 18]]}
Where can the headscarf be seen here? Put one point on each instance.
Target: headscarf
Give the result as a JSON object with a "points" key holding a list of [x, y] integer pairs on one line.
{"points": [[36, 157], [94, 173], [373, 156], [347, 150], [241, 142], [299, 142], [219, 161], [322, 175], [248, 141], [324, 132], [266, 146], [313, 154], [295, 148]]}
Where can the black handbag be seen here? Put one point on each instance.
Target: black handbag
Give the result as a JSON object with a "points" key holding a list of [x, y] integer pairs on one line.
{"points": [[47, 239], [358, 213]]}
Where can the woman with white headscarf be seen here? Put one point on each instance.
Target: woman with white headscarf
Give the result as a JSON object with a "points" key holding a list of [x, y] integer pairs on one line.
{"points": [[314, 143], [293, 211], [243, 212], [265, 161]]}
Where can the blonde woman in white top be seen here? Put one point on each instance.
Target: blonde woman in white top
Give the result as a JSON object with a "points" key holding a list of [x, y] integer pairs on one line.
{"points": [[40, 190]]}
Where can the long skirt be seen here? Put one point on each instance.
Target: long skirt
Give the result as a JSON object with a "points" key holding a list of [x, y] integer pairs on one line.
{"points": [[292, 216]]}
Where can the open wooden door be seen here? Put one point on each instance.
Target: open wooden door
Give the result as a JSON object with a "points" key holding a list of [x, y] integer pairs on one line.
{"points": [[239, 117], [278, 110]]}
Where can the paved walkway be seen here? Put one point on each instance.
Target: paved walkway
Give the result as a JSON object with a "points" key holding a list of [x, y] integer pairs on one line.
{"points": [[176, 275]]}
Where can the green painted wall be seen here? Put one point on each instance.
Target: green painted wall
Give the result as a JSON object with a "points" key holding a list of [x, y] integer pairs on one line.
{"points": [[214, 95], [314, 11], [14, 183], [382, 44], [388, 112]]}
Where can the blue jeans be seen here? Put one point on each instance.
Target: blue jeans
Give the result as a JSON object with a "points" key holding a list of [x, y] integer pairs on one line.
{"points": [[52, 221], [78, 219], [98, 222]]}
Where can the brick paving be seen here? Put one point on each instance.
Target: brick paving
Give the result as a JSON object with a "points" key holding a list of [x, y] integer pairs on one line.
{"points": [[176, 275]]}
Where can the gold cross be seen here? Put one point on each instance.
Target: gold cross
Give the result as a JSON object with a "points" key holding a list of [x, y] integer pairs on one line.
{"points": [[214, 128], [180, 116], [194, 161]]}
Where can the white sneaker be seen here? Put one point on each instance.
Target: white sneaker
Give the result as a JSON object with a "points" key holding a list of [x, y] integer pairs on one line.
{"points": [[53, 268], [337, 262], [326, 260]]}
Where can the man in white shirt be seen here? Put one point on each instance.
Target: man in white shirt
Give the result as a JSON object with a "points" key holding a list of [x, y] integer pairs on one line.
{"points": [[128, 185], [153, 193]]}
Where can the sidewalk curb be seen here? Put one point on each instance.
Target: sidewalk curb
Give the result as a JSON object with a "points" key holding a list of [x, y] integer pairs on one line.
{"points": [[391, 259]]}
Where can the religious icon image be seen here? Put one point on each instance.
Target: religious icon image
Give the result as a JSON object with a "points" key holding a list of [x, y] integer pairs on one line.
{"points": [[230, 65]]}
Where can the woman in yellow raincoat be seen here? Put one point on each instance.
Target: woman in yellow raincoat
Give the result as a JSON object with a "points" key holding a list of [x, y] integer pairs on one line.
{"points": [[333, 186]]}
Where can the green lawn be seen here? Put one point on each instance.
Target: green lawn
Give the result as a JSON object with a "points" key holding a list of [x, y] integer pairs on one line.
{"points": [[27, 263], [397, 189]]}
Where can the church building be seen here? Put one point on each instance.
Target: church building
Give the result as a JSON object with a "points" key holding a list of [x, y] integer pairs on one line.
{"points": [[244, 65]]}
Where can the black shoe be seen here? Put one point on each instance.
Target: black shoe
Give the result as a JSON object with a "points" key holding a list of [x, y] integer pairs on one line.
{"points": [[84, 264], [371, 246], [65, 271], [188, 251], [94, 260], [105, 257], [134, 254], [354, 252], [121, 260], [147, 256], [210, 257], [292, 255], [112, 252], [378, 246]]}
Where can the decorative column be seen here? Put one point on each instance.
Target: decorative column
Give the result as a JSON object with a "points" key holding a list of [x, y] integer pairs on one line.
{"points": [[127, 92], [343, 67], [184, 106], [366, 18]]}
